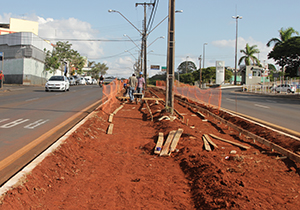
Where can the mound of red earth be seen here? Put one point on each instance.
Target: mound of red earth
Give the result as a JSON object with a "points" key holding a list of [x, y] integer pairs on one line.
{"points": [[95, 170]]}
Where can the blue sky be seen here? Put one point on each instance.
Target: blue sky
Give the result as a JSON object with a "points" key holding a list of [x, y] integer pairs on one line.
{"points": [[202, 21]]}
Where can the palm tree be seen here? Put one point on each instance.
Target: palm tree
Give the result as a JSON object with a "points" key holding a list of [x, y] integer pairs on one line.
{"points": [[284, 36], [249, 55]]}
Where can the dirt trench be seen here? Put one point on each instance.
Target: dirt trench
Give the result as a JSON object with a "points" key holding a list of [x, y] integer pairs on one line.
{"points": [[95, 170]]}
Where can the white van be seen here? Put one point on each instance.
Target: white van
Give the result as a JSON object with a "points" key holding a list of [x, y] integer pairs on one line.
{"points": [[89, 80]]}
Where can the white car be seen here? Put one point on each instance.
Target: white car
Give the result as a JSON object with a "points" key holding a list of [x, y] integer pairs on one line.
{"points": [[60, 83], [95, 82], [72, 81], [82, 81], [88, 80], [286, 88]]}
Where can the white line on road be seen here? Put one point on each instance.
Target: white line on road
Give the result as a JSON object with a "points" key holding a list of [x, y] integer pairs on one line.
{"points": [[228, 99], [271, 101], [32, 99], [262, 106]]}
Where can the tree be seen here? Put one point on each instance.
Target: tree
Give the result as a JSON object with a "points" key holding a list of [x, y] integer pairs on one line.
{"points": [[51, 61], [99, 68], [186, 67], [249, 55], [287, 55], [284, 34]]}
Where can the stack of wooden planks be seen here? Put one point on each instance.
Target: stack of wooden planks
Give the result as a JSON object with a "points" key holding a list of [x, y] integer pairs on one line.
{"points": [[170, 143]]}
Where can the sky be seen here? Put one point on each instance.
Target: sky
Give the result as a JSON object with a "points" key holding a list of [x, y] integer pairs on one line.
{"points": [[99, 35]]}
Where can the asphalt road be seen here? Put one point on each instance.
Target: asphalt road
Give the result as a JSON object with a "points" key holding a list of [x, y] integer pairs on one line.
{"points": [[28, 113], [283, 111]]}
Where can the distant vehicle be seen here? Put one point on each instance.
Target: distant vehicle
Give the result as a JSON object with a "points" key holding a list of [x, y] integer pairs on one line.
{"points": [[89, 80], [60, 83], [77, 79], [72, 81], [286, 88], [94, 81], [82, 81]]}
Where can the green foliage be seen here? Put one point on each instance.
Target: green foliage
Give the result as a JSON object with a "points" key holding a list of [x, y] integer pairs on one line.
{"points": [[153, 79], [285, 35], [186, 67], [51, 61], [98, 68], [287, 55], [249, 55]]}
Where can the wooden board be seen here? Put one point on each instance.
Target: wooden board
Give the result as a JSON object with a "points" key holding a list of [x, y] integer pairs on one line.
{"points": [[110, 119], [148, 99], [210, 141], [175, 140], [118, 109], [166, 148], [230, 142], [206, 144], [159, 143], [110, 128]]}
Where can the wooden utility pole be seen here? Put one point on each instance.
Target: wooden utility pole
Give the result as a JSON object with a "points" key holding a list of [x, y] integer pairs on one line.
{"points": [[170, 59]]}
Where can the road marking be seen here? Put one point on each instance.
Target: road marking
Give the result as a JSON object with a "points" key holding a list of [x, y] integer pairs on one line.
{"points": [[228, 99], [32, 99], [271, 101], [2, 120], [14, 123], [35, 124], [262, 106]]}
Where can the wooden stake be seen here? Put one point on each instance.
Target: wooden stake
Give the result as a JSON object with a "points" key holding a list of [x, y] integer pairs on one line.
{"points": [[110, 128], [230, 142]]}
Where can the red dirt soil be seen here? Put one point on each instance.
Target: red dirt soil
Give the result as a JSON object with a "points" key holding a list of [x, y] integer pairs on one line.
{"points": [[95, 170]]}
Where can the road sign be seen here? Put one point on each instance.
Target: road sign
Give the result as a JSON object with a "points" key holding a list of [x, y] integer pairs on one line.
{"points": [[155, 67], [164, 68]]}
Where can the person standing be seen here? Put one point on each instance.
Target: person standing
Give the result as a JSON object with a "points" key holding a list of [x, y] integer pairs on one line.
{"points": [[1, 78], [132, 86], [141, 83]]}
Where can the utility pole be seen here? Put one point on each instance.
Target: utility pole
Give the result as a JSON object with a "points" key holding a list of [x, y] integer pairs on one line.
{"points": [[200, 70], [144, 38], [170, 59]]}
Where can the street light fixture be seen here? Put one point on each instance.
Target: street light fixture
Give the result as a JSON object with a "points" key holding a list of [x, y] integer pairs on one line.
{"points": [[161, 37], [204, 53], [132, 41], [111, 10], [236, 41]]}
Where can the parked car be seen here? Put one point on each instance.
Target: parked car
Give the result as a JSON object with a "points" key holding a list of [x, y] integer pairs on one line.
{"points": [[72, 81], [77, 79], [82, 81], [286, 88], [88, 80], [60, 83], [94, 82]]}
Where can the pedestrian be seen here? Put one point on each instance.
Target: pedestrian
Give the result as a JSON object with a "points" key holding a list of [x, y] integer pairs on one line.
{"points": [[132, 86], [1, 78], [141, 83]]}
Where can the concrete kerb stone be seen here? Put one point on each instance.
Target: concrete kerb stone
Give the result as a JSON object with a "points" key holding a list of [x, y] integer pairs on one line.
{"points": [[21, 175]]}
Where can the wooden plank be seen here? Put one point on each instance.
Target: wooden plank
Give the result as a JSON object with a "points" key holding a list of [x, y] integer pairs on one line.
{"points": [[118, 109], [175, 140], [210, 141], [206, 144], [166, 148], [148, 99], [151, 115], [230, 142], [110, 119], [110, 128], [159, 143]]}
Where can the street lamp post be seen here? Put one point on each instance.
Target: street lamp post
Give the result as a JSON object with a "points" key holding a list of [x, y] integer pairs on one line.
{"points": [[204, 53], [186, 64], [236, 41], [200, 72]]}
